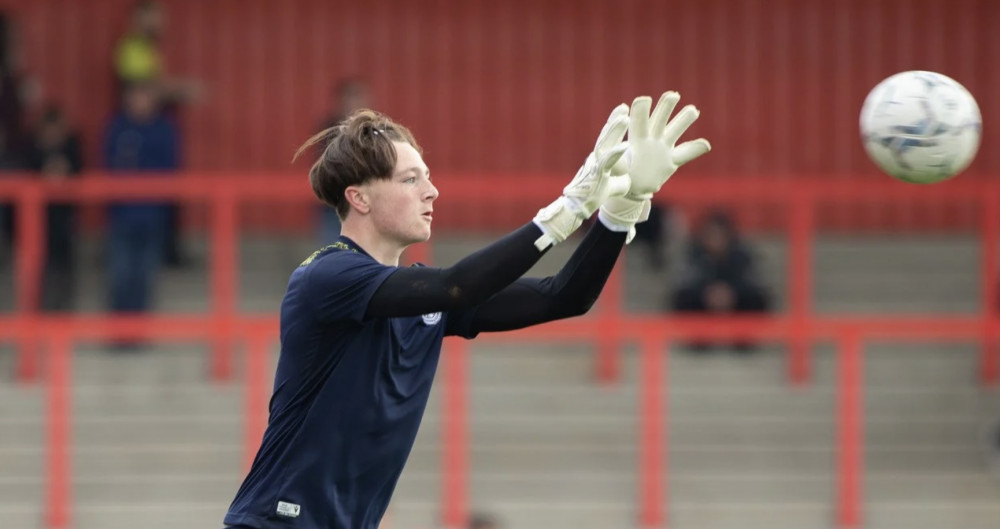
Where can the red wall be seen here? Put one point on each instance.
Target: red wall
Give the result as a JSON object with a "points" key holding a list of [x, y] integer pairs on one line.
{"points": [[526, 84]]}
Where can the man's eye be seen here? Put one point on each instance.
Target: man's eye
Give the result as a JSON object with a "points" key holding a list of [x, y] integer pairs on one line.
{"points": [[410, 180]]}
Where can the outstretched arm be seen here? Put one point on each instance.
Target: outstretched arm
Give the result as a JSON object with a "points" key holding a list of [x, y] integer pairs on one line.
{"points": [[571, 292], [653, 156], [421, 290], [478, 277]]}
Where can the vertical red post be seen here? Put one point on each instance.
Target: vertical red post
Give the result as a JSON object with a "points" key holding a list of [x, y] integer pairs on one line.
{"points": [[608, 365], [455, 434], [59, 432], [800, 267], [850, 421], [224, 280], [30, 261], [988, 365], [256, 394], [652, 421]]}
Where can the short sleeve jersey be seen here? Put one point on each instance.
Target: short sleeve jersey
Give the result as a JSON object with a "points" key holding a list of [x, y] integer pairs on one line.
{"points": [[349, 394]]}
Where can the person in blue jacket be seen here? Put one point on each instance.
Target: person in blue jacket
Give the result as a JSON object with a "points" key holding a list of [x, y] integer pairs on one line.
{"points": [[140, 142]]}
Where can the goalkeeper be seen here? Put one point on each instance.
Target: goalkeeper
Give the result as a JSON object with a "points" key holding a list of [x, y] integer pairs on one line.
{"points": [[361, 336]]}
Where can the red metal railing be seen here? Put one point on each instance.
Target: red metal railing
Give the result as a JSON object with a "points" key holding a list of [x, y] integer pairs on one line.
{"points": [[609, 327]]}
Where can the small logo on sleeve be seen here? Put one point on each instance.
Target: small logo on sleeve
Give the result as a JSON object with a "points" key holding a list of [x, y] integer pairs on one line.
{"points": [[432, 318], [289, 510]]}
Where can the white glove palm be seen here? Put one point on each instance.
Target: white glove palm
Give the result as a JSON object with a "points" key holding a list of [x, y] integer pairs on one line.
{"points": [[651, 159], [653, 155], [591, 186]]}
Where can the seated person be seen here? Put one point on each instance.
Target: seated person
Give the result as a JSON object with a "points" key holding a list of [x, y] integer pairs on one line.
{"points": [[720, 276]]}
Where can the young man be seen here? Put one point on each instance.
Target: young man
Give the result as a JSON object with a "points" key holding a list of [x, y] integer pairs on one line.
{"points": [[360, 337]]}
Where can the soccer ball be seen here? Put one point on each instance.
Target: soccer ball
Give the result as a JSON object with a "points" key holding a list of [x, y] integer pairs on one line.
{"points": [[921, 127]]}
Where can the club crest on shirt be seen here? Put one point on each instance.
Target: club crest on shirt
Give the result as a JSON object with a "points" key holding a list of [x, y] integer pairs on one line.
{"points": [[432, 318]]}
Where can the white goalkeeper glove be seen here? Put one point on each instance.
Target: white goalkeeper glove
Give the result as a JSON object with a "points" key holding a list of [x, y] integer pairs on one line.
{"points": [[591, 186], [651, 159], [621, 213]]}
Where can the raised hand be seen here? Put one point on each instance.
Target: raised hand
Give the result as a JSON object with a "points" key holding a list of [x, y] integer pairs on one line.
{"points": [[651, 159], [653, 154], [592, 185]]}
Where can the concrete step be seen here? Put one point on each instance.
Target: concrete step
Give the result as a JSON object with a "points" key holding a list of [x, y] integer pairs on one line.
{"points": [[139, 431], [579, 485], [207, 402], [152, 514], [930, 514], [750, 515], [586, 515], [196, 459], [909, 486], [129, 489], [528, 513], [753, 424], [17, 515], [540, 431]]}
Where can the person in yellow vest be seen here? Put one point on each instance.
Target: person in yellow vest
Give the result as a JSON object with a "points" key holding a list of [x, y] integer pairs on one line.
{"points": [[138, 57]]}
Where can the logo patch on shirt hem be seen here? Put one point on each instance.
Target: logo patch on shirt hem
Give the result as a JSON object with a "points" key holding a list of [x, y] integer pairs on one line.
{"points": [[432, 318], [290, 510]]}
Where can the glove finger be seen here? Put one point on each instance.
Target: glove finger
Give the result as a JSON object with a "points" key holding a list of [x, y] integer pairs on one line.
{"points": [[618, 185], [679, 124], [664, 107], [616, 113], [620, 110], [612, 134], [639, 118], [690, 150], [611, 157]]}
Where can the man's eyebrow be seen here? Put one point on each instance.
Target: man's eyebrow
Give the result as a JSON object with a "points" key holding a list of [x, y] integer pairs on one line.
{"points": [[415, 169]]}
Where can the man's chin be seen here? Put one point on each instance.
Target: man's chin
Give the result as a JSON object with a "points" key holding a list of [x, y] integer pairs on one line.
{"points": [[424, 237]]}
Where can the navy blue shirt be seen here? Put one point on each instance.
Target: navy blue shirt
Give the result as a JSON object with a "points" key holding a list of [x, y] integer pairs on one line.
{"points": [[135, 147], [349, 394]]}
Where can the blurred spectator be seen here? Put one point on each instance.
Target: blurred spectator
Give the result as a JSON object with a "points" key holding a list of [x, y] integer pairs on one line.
{"points": [[483, 521], [138, 58], [140, 139], [9, 161], [720, 276], [350, 95], [55, 153], [14, 95], [14, 88]]}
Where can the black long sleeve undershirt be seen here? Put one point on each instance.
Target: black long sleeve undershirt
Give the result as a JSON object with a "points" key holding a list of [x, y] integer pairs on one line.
{"points": [[486, 282], [571, 292], [420, 290]]}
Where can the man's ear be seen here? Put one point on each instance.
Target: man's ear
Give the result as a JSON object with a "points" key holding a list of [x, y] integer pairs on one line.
{"points": [[358, 198]]}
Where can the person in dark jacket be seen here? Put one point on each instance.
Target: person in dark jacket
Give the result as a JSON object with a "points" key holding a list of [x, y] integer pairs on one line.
{"points": [[721, 277], [54, 153], [14, 103]]}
